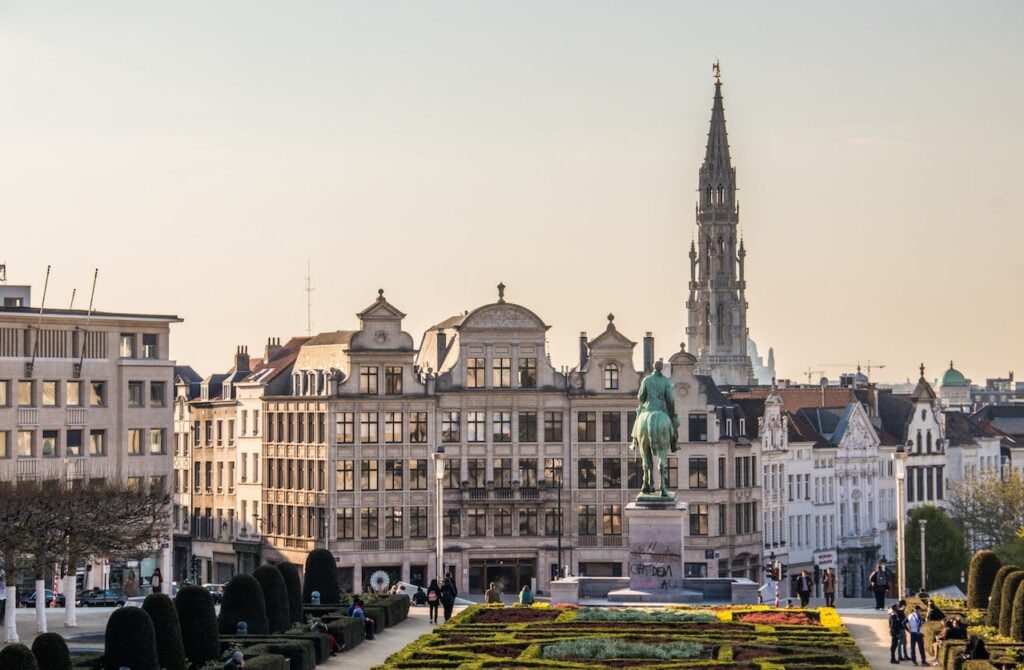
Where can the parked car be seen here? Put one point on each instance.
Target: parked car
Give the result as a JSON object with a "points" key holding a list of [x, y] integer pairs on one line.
{"points": [[101, 598], [217, 591], [29, 600]]}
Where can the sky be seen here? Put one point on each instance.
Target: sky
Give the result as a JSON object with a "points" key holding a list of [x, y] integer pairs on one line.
{"points": [[201, 153]]}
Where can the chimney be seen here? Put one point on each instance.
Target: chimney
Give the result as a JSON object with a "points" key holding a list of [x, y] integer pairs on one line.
{"points": [[583, 349], [242, 359], [442, 348], [272, 349], [648, 352]]}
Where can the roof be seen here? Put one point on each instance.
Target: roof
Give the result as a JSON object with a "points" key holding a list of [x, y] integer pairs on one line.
{"points": [[84, 313], [963, 429], [829, 422], [923, 392], [798, 397], [265, 370], [711, 391], [895, 411], [1007, 419], [328, 338], [953, 377]]}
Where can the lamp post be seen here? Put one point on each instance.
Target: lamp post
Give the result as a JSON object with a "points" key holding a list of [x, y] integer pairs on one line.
{"points": [[900, 467], [924, 582], [438, 457]]}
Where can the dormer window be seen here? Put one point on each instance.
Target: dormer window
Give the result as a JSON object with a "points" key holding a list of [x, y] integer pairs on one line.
{"points": [[743, 426], [728, 427], [924, 415], [611, 377], [368, 379]]}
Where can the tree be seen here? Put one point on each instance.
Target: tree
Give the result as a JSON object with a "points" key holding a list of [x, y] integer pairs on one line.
{"points": [[995, 601], [169, 648], [275, 597], [130, 641], [293, 583], [322, 576], [198, 621], [51, 652], [1010, 585], [945, 551], [988, 508], [243, 601], [17, 510], [984, 566]]}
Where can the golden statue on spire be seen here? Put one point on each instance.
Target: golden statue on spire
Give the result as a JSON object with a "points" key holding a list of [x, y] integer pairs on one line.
{"points": [[717, 71]]}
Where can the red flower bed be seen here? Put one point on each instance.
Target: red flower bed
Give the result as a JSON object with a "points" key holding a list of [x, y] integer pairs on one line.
{"points": [[778, 618], [514, 615]]}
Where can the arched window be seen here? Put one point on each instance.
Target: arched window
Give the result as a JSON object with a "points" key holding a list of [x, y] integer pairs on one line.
{"points": [[919, 441], [611, 377], [721, 194], [929, 441], [709, 194], [924, 415]]}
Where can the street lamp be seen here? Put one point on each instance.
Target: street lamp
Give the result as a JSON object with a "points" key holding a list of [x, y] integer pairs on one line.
{"points": [[900, 467], [924, 582], [438, 457]]}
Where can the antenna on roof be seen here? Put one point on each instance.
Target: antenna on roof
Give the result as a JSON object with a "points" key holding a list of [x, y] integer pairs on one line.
{"points": [[309, 300], [39, 326], [73, 292], [85, 332]]}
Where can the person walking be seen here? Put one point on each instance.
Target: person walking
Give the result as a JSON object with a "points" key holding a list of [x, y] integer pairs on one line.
{"points": [[901, 649], [448, 595], [896, 628], [156, 581], [828, 587], [803, 588], [914, 623], [434, 598], [879, 580]]}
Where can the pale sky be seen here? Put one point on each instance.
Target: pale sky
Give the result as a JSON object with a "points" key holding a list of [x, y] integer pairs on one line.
{"points": [[199, 153]]}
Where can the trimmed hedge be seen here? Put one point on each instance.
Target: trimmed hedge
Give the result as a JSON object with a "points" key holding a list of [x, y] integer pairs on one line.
{"points": [[379, 614], [275, 597], [169, 648], [1010, 585], [982, 575], [319, 611], [293, 583], [1017, 617], [266, 662], [17, 657], [321, 647], [130, 641], [87, 662], [300, 653], [198, 621], [996, 598], [51, 652], [322, 576], [243, 601], [349, 631]]}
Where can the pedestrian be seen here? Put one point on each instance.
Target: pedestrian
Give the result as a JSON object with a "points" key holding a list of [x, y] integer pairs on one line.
{"points": [[879, 580], [803, 588], [237, 660], [156, 581], [130, 586], [420, 597], [448, 595], [493, 595], [332, 642], [434, 597], [526, 596], [914, 623], [358, 613], [828, 585], [901, 650], [896, 628]]}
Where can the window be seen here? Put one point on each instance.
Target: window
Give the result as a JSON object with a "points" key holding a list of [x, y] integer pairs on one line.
{"points": [[634, 476], [73, 443], [134, 441], [368, 375], [611, 377], [527, 522], [476, 426], [25, 393], [698, 472], [501, 424], [393, 380], [418, 474], [476, 371], [127, 345], [552, 426], [611, 473], [417, 427], [135, 394], [346, 523], [552, 522], [149, 346], [611, 426], [156, 441], [502, 373], [5, 447], [344, 479], [672, 468], [553, 471], [346, 428], [98, 394], [502, 473], [368, 427], [586, 426], [611, 520], [452, 527], [527, 426], [26, 448], [528, 373], [50, 395], [158, 394], [586, 516], [476, 522], [586, 473], [220, 432], [369, 528], [698, 428], [50, 443], [5, 401], [528, 473], [97, 443], [450, 427], [477, 472], [418, 521], [721, 472], [698, 519], [368, 475], [393, 526], [392, 427], [452, 474], [502, 522], [630, 420]]}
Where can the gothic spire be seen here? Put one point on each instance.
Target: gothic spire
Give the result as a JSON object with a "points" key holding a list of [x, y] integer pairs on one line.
{"points": [[716, 156]]}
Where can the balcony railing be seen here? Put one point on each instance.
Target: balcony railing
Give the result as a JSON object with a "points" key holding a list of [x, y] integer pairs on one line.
{"points": [[77, 416], [369, 545], [28, 416], [28, 467]]}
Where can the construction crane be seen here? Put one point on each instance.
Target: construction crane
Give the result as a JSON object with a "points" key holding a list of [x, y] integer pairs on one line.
{"points": [[869, 366], [810, 374]]}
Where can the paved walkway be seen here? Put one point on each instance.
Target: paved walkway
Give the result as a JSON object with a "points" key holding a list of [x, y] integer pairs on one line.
{"points": [[376, 651], [91, 621]]}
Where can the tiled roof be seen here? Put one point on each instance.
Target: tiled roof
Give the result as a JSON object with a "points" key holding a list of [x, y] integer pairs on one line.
{"points": [[895, 412], [263, 371], [794, 398]]}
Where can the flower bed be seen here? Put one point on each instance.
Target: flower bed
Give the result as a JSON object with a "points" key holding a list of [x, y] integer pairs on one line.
{"points": [[744, 638]]}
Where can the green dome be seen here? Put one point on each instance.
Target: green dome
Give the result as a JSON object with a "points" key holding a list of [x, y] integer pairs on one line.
{"points": [[952, 377]]}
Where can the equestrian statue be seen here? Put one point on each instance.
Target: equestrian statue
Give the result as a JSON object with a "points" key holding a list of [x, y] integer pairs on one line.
{"points": [[655, 434]]}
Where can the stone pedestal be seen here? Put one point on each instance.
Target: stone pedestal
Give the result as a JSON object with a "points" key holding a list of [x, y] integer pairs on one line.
{"points": [[656, 532], [565, 592]]}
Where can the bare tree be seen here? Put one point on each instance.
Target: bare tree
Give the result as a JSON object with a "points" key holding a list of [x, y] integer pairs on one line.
{"points": [[988, 508], [18, 504]]}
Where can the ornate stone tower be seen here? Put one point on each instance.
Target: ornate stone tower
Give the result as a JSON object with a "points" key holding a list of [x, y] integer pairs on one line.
{"points": [[717, 327]]}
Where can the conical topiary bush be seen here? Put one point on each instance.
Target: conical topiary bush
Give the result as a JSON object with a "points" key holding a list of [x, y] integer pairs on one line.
{"points": [[243, 601], [275, 597], [321, 575], [293, 583], [980, 578], [198, 621], [51, 652], [1017, 617], [996, 599], [169, 648], [1010, 585], [17, 657], [130, 641]]}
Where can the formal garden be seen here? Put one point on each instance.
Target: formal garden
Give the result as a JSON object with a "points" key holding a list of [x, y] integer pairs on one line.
{"points": [[274, 618]]}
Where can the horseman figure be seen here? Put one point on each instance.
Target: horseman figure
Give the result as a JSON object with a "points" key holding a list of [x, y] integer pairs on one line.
{"points": [[655, 433]]}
